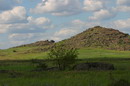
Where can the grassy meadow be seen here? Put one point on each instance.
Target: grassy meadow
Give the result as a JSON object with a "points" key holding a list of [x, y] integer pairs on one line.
{"points": [[71, 78], [21, 73], [17, 69], [25, 53]]}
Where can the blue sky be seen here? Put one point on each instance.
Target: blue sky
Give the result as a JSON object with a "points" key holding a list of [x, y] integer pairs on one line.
{"points": [[27, 21]]}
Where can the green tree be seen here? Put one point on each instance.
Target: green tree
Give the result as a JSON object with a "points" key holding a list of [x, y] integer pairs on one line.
{"points": [[63, 56]]}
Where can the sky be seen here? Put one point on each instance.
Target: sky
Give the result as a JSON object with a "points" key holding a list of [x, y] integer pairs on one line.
{"points": [[28, 21]]}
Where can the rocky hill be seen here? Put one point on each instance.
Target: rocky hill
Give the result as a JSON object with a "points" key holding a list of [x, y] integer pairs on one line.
{"points": [[96, 37], [99, 40], [37, 47], [39, 43], [100, 37]]}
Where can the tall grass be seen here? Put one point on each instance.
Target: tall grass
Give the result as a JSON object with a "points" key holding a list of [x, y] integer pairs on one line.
{"points": [[71, 78]]}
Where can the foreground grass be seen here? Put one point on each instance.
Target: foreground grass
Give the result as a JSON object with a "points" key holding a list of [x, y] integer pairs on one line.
{"points": [[21, 73], [71, 78]]}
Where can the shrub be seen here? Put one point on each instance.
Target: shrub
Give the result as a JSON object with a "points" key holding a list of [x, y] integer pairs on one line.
{"points": [[41, 66], [63, 56], [14, 51]]}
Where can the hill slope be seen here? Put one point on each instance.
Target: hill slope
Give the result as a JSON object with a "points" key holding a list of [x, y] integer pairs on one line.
{"points": [[100, 37], [96, 42]]}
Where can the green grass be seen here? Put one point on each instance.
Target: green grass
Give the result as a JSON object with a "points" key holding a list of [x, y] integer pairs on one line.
{"points": [[84, 53], [20, 73], [21, 54], [71, 78], [102, 53]]}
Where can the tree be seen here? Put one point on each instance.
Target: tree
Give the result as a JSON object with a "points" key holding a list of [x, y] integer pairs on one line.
{"points": [[63, 56]]}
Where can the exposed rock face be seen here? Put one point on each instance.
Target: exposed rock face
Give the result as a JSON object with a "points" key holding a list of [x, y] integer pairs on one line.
{"points": [[94, 66], [100, 37]]}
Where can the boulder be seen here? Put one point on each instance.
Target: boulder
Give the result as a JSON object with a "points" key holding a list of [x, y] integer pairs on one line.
{"points": [[94, 66]]}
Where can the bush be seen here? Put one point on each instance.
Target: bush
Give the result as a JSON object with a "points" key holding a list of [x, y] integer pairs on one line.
{"points": [[63, 56], [34, 61], [41, 67], [14, 51]]}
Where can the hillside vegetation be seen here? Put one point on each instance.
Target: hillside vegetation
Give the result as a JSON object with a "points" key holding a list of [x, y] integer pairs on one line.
{"points": [[84, 53], [101, 37], [96, 42]]}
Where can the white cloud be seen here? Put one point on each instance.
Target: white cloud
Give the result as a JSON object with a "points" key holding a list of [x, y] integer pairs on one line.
{"points": [[17, 36], [122, 24], [16, 21], [123, 8], [83, 25], [103, 14], [123, 5], [93, 5], [2, 31], [33, 25], [65, 32], [123, 2], [40, 22], [16, 15], [58, 7], [4, 28]]}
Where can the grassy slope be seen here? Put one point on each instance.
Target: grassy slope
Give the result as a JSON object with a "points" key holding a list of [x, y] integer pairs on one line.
{"points": [[21, 54], [84, 53], [102, 53]]}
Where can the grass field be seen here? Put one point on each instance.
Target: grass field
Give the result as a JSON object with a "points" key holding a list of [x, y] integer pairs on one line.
{"points": [[21, 73], [17, 69], [71, 78], [84, 53]]}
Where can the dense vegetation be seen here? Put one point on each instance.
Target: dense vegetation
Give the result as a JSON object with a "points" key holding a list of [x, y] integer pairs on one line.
{"points": [[63, 56], [100, 37], [23, 73]]}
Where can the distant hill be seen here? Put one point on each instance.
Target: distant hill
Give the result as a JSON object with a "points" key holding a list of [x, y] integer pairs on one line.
{"points": [[100, 37], [39, 43], [96, 42], [95, 37], [39, 46]]}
